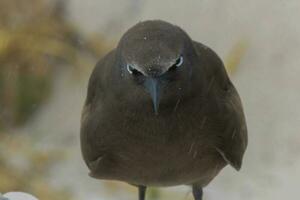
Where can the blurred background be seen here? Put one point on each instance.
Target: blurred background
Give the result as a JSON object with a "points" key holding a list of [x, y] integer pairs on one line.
{"points": [[49, 47]]}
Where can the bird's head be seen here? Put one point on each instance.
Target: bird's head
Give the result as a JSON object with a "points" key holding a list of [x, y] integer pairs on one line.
{"points": [[157, 56]]}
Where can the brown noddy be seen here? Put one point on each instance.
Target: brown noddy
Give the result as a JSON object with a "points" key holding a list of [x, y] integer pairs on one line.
{"points": [[161, 111]]}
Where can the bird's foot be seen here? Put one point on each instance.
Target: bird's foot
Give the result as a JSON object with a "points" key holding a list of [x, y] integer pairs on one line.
{"points": [[197, 192], [142, 192]]}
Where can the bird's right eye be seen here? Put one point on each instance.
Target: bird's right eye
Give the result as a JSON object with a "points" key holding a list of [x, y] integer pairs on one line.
{"points": [[133, 71]]}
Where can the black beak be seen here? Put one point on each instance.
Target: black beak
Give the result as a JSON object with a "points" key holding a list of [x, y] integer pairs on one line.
{"points": [[153, 87]]}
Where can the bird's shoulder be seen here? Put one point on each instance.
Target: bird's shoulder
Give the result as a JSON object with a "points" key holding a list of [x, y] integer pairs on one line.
{"points": [[99, 77], [211, 63]]}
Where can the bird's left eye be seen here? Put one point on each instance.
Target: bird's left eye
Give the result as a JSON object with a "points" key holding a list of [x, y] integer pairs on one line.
{"points": [[179, 61]]}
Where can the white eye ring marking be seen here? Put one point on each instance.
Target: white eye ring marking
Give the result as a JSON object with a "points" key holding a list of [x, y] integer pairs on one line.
{"points": [[129, 68], [132, 70], [179, 61]]}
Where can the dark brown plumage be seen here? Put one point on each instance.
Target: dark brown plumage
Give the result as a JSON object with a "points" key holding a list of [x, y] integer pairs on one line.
{"points": [[161, 111]]}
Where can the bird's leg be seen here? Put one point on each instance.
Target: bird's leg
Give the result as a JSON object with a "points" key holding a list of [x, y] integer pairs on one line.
{"points": [[197, 192], [142, 192]]}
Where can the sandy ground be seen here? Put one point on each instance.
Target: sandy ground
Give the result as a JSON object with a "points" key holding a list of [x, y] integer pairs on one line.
{"points": [[267, 80]]}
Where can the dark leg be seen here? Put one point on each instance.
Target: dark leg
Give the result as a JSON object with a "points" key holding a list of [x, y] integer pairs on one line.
{"points": [[197, 192], [142, 192]]}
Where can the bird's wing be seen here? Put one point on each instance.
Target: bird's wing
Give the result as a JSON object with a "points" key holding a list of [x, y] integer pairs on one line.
{"points": [[234, 134], [91, 113], [231, 120]]}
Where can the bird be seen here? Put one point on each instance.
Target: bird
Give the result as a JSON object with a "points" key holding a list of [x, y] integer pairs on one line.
{"points": [[161, 111]]}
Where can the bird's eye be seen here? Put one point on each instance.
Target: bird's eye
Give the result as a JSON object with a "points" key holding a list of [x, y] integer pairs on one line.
{"points": [[133, 71], [177, 64], [179, 61]]}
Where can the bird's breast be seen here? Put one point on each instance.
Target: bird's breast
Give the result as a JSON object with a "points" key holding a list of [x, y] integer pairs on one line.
{"points": [[164, 149]]}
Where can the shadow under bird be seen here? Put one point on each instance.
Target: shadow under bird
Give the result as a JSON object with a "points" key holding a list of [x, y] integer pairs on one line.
{"points": [[161, 111]]}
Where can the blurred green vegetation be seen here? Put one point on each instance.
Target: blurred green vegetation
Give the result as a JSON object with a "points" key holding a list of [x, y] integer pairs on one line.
{"points": [[36, 40], [36, 43], [235, 56]]}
